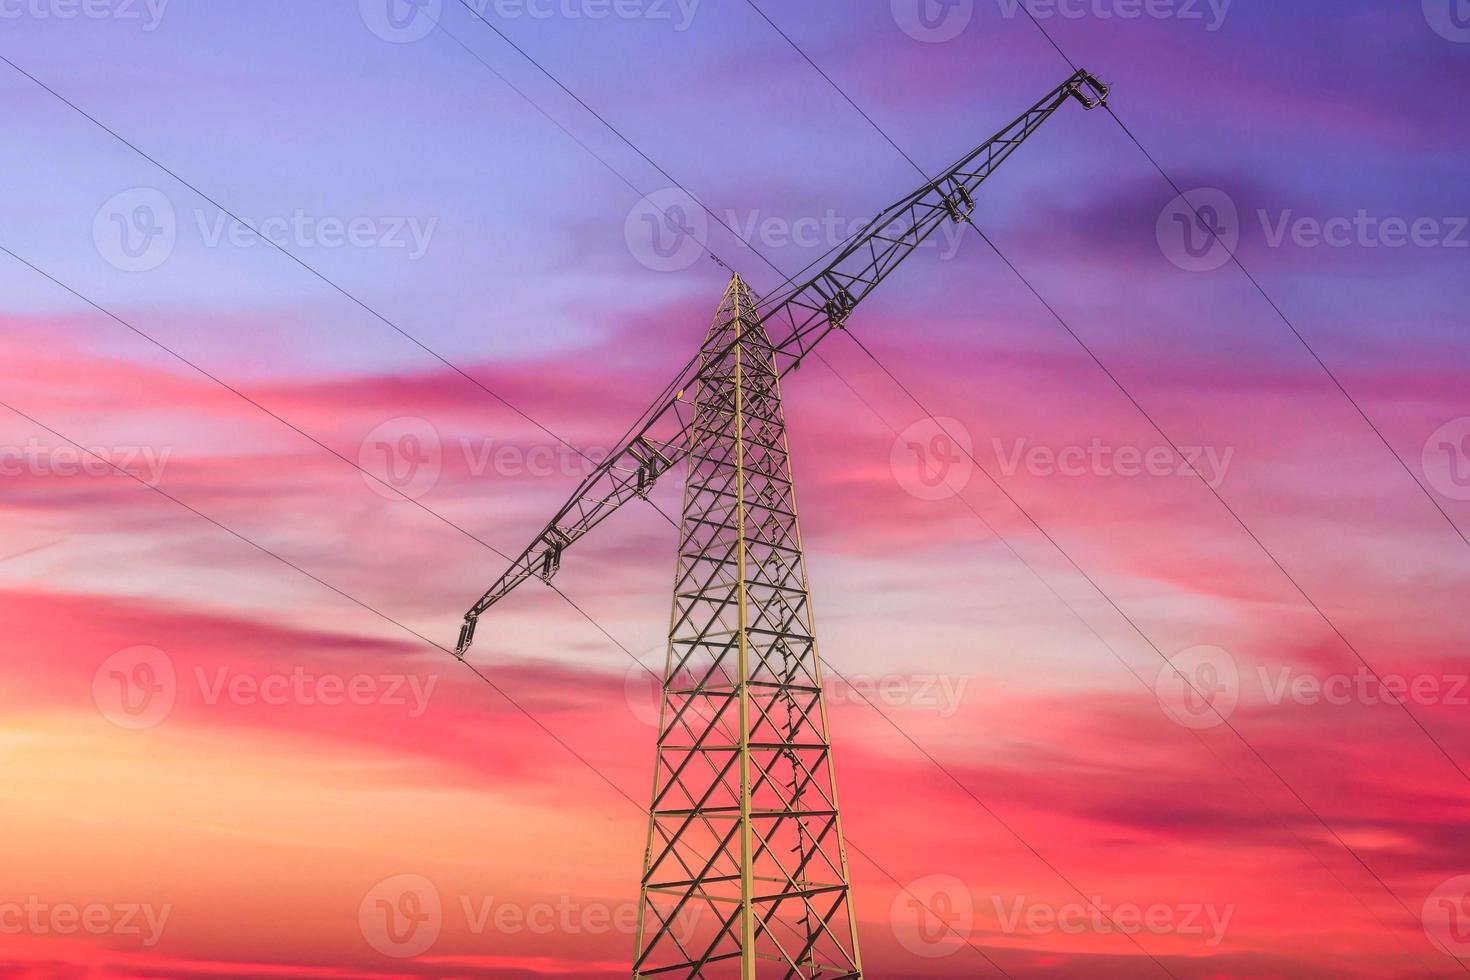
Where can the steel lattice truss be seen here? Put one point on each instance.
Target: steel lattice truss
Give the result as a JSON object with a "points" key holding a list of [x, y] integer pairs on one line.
{"points": [[798, 318], [745, 874]]}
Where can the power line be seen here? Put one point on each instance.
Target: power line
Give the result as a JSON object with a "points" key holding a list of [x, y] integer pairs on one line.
{"points": [[579, 141], [320, 581], [1275, 307], [1139, 630], [359, 302], [294, 428], [1198, 738], [621, 136], [291, 255], [307, 266], [1056, 545], [586, 763], [613, 129], [1402, 703], [1159, 429], [419, 504], [602, 119]]}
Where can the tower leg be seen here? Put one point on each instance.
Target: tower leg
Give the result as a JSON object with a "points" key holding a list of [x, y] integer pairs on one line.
{"points": [[745, 874]]}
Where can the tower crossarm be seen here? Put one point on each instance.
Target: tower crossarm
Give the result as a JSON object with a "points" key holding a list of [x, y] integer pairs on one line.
{"points": [[796, 319]]}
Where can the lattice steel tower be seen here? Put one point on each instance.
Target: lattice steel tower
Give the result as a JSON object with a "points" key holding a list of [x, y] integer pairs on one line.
{"points": [[745, 875], [744, 829]]}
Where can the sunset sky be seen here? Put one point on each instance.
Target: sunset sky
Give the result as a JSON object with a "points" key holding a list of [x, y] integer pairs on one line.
{"points": [[228, 749]]}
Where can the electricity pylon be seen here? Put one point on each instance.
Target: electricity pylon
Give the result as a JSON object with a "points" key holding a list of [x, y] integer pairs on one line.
{"points": [[745, 862], [745, 875]]}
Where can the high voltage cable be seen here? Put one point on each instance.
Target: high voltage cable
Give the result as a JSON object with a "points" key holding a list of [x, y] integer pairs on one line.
{"points": [[382, 318], [303, 264], [579, 609], [294, 428], [1148, 688], [1152, 421], [1139, 630], [428, 642], [1275, 307], [291, 255], [617, 132], [1402, 703], [528, 418], [1033, 521]]}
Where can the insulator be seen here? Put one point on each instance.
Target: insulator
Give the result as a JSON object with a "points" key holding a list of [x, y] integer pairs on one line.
{"points": [[838, 307], [550, 562], [959, 204]]}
